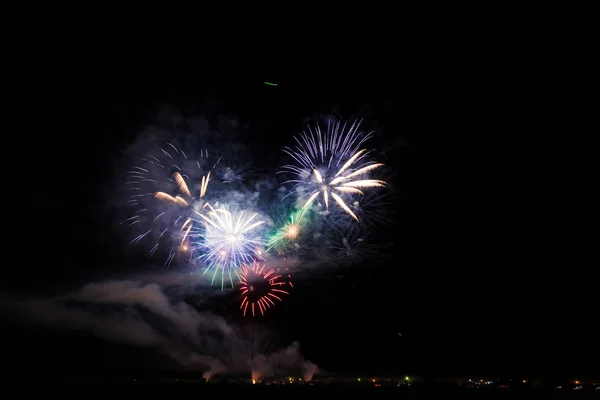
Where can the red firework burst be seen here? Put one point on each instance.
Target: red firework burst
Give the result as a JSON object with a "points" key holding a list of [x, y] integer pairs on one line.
{"points": [[260, 288]]}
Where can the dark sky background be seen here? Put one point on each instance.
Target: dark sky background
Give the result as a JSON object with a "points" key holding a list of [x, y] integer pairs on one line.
{"points": [[460, 295]]}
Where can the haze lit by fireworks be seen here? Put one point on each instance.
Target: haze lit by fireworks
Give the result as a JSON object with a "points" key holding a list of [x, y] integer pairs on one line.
{"points": [[228, 241], [260, 289], [331, 164], [163, 178]]}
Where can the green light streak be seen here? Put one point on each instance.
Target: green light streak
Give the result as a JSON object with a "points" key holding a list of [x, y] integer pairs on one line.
{"points": [[282, 234]]}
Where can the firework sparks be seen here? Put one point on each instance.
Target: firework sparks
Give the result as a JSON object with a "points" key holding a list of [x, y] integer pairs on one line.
{"points": [[187, 202], [331, 164], [228, 241], [260, 289], [150, 183], [289, 231], [309, 371]]}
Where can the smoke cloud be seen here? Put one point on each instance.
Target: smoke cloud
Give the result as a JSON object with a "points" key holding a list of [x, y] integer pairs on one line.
{"points": [[141, 313]]}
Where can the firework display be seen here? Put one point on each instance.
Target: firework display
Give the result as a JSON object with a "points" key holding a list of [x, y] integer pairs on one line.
{"points": [[227, 241], [225, 234], [331, 164], [289, 232], [178, 186], [260, 289]]}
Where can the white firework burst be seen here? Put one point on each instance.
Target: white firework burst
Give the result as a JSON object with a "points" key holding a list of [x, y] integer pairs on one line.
{"points": [[332, 164], [229, 240]]}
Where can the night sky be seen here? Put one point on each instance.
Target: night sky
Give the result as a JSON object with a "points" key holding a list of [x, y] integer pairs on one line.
{"points": [[446, 295]]}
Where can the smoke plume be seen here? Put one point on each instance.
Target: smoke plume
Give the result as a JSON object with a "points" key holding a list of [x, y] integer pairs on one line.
{"points": [[141, 314]]}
